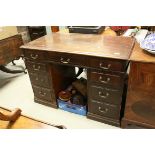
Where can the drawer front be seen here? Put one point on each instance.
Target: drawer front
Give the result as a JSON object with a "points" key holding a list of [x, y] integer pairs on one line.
{"points": [[41, 33], [67, 59], [42, 93], [36, 35], [37, 29], [104, 109], [115, 81], [40, 80], [36, 67], [101, 94], [107, 64], [34, 55]]}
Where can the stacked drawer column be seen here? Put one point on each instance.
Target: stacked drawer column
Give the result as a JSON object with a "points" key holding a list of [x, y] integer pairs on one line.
{"points": [[39, 73], [106, 81]]}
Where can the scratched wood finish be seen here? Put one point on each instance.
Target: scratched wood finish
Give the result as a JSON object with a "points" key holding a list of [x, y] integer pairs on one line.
{"points": [[85, 44]]}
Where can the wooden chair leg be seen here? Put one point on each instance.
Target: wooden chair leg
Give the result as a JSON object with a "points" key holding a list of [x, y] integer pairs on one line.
{"points": [[12, 116]]}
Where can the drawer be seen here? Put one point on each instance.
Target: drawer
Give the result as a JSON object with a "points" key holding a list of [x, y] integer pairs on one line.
{"points": [[101, 94], [40, 80], [105, 79], [42, 93], [34, 55], [107, 64], [36, 35], [104, 109], [41, 33], [67, 58], [35, 67], [37, 28]]}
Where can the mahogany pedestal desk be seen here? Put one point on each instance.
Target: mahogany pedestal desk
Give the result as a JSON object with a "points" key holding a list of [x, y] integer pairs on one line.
{"points": [[51, 62], [140, 104]]}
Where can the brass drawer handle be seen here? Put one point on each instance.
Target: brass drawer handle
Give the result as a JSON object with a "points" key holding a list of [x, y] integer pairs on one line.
{"points": [[103, 110], [34, 56], [105, 67], [42, 94], [65, 61], [36, 68], [35, 33], [107, 80], [103, 96]]}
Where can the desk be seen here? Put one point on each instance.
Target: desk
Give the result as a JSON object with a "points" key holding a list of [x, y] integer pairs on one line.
{"points": [[51, 62], [9, 51], [140, 104]]}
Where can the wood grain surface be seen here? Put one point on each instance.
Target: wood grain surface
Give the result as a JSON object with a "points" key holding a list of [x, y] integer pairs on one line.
{"points": [[141, 55], [85, 44]]}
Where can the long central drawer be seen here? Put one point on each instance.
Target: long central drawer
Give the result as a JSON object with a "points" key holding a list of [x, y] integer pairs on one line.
{"points": [[65, 58]]}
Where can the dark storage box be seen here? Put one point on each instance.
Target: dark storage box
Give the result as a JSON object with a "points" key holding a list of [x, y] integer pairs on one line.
{"points": [[86, 29]]}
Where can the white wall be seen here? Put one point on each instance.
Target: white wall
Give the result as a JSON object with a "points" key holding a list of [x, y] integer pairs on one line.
{"points": [[48, 30]]}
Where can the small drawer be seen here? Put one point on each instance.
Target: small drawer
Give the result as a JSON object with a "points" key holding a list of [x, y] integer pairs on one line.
{"points": [[42, 93], [39, 33], [34, 55], [107, 64], [104, 109], [40, 80], [109, 80], [67, 58], [37, 28], [102, 94], [35, 67]]}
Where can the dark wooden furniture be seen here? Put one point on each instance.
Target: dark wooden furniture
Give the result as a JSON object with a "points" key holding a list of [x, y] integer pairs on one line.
{"points": [[51, 62], [10, 51], [140, 104], [86, 29], [36, 32]]}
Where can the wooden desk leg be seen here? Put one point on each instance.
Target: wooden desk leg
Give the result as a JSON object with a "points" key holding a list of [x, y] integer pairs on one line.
{"points": [[12, 116], [124, 123]]}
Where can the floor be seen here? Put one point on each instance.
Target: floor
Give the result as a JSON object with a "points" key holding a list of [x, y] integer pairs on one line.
{"points": [[16, 91], [23, 122]]}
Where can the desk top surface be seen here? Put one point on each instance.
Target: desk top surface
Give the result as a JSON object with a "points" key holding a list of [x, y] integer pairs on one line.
{"points": [[141, 55], [84, 44]]}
